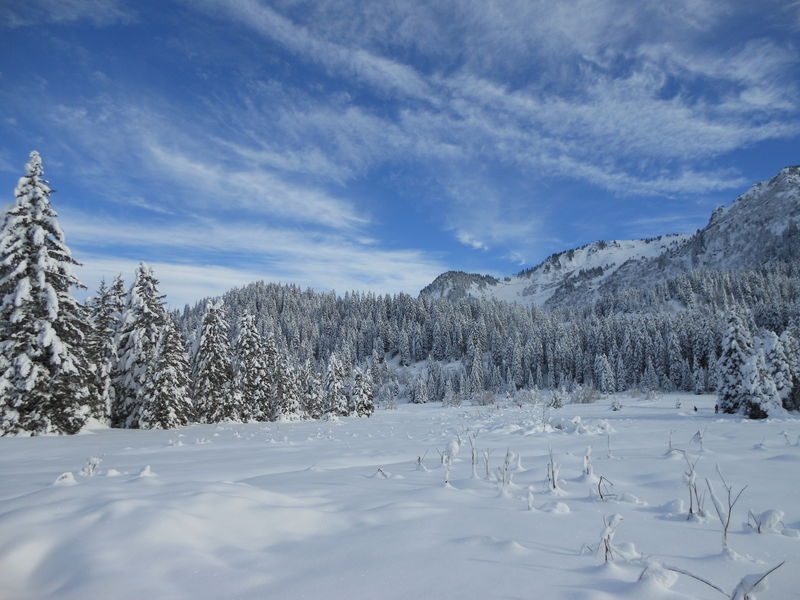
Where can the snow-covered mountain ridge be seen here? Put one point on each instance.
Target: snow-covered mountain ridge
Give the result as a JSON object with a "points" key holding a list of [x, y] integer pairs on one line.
{"points": [[760, 226]]}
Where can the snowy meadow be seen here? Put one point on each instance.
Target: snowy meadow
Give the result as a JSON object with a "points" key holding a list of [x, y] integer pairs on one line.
{"points": [[499, 501]]}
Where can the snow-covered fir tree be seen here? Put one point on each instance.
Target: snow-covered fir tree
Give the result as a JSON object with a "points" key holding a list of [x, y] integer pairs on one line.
{"points": [[164, 400], [272, 365], [313, 398], [420, 393], [45, 378], [212, 376], [290, 390], [362, 394], [603, 374], [737, 349], [759, 397], [251, 380], [101, 346], [139, 329], [778, 365], [791, 346], [335, 392]]}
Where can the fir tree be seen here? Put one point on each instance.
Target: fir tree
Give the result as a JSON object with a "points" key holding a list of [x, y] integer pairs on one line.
{"points": [[44, 370], [212, 374], [139, 330], [737, 348], [778, 366], [650, 377], [603, 374], [759, 397], [449, 396], [251, 380], [289, 392], [164, 400], [791, 347], [313, 398], [362, 395], [271, 402], [335, 393], [101, 346], [420, 391]]}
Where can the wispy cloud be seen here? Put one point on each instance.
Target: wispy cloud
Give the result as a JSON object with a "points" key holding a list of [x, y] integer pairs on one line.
{"points": [[358, 63], [314, 259], [36, 12]]}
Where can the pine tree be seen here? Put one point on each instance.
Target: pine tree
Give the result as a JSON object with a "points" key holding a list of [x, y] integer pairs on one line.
{"points": [[362, 393], [759, 397], [476, 378], [164, 400], [101, 347], [289, 392], [272, 366], [420, 392], [778, 366], [737, 348], [212, 377], [335, 393], [603, 374], [139, 330], [251, 381], [314, 406], [44, 370], [449, 396], [650, 377], [791, 347]]}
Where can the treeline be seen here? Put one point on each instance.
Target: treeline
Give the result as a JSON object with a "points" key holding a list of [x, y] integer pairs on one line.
{"points": [[670, 341], [267, 351], [122, 359]]}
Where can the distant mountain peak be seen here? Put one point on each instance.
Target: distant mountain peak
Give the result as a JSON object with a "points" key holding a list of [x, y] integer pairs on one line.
{"points": [[751, 231]]}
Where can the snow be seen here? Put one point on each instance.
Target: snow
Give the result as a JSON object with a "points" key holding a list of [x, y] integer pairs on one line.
{"points": [[340, 509], [537, 286]]}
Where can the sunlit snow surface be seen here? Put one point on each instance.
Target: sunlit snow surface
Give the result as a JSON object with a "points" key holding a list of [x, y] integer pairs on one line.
{"points": [[301, 510]]}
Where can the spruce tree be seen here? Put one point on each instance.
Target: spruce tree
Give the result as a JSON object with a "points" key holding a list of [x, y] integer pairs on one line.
{"points": [[759, 397], [313, 398], [272, 364], [420, 391], [164, 400], [44, 369], [335, 393], [603, 374], [737, 349], [139, 330], [791, 346], [778, 366], [289, 392], [251, 379], [101, 346], [362, 393], [212, 376]]}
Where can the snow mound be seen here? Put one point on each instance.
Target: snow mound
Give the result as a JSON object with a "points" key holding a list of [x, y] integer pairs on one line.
{"points": [[65, 479]]}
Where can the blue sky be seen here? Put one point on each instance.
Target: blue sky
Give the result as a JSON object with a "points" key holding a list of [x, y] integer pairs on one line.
{"points": [[347, 144]]}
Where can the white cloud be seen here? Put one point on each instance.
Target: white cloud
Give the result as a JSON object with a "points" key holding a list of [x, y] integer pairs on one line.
{"points": [[248, 252], [381, 72], [36, 12], [467, 239]]}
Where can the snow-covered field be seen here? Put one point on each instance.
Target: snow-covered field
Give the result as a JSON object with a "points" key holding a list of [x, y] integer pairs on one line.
{"points": [[342, 510]]}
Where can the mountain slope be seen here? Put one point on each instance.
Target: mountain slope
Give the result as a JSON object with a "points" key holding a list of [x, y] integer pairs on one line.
{"points": [[760, 226]]}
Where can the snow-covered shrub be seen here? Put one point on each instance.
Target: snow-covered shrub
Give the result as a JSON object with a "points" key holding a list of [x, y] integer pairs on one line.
{"points": [[90, 467], [583, 394], [769, 521], [557, 399], [724, 511]]}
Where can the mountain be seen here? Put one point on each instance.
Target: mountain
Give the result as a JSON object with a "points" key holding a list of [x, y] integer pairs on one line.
{"points": [[760, 226]]}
